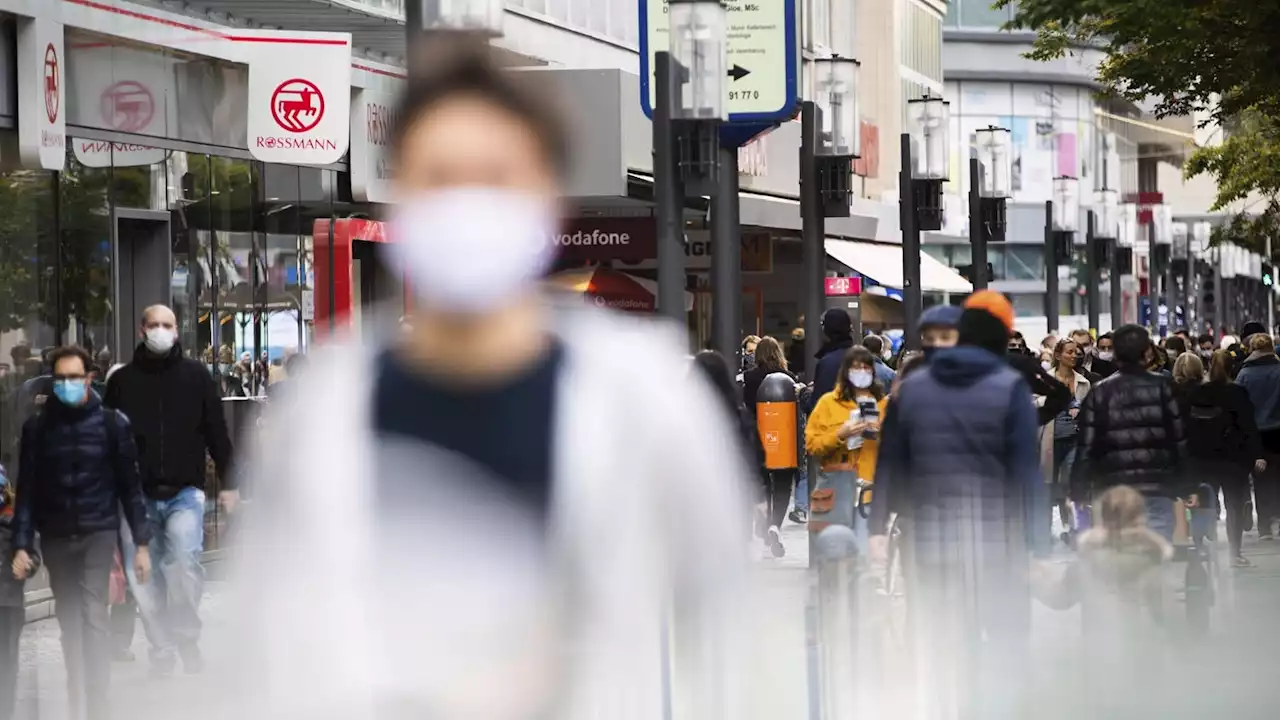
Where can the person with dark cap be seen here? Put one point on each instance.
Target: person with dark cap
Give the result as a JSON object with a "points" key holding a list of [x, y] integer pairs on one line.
{"points": [[960, 459], [1241, 350], [1259, 375], [1130, 432], [938, 328], [837, 333]]}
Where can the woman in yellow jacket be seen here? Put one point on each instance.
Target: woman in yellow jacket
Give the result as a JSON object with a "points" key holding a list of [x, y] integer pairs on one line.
{"points": [[830, 432]]}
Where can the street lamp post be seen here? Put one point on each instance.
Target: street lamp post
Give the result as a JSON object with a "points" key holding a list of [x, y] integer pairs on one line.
{"points": [[1102, 233], [1122, 261], [1161, 249], [829, 143], [689, 107], [1061, 222], [698, 34], [990, 174], [924, 169]]}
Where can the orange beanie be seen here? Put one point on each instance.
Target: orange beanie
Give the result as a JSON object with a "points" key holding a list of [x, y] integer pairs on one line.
{"points": [[994, 303]]}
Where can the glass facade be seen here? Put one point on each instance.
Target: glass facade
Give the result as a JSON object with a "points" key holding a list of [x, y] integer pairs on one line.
{"points": [[614, 19], [976, 14], [1054, 130]]}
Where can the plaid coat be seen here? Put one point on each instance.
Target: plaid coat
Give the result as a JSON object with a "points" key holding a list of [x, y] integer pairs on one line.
{"points": [[959, 458]]}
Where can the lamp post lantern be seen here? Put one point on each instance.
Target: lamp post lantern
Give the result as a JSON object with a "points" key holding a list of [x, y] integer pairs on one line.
{"points": [[1103, 232], [829, 143], [1061, 222], [925, 153], [688, 110], [1158, 264], [990, 184]]}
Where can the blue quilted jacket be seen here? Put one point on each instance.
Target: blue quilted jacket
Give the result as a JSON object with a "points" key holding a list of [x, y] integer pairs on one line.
{"points": [[75, 474]]}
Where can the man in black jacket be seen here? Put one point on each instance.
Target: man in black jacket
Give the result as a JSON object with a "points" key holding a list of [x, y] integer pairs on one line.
{"points": [[837, 331], [177, 417], [78, 467], [1131, 433]]}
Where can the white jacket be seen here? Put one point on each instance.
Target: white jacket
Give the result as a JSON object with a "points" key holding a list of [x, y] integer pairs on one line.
{"points": [[471, 619]]}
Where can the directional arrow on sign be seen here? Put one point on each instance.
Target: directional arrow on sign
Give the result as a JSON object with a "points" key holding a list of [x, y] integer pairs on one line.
{"points": [[738, 72]]}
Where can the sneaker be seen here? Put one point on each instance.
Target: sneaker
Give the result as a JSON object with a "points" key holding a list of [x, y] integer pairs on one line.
{"points": [[161, 669], [1240, 561], [774, 542], [799, 517], [1268, 537], [124, 655], [192, 659]]}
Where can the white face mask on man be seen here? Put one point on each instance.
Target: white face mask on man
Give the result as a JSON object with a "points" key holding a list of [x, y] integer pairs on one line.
{"points": [[160, 340], [469, 250]]}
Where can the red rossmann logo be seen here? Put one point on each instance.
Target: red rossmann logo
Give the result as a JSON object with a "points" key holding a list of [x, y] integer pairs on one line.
{"points": [[52, 81], [128, 106], [297, 105]]}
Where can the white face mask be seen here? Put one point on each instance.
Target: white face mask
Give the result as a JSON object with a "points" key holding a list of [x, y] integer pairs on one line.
{"points": [[1046, 365], [469, 250], [159, 340], [1106, 355], [861, 379]]}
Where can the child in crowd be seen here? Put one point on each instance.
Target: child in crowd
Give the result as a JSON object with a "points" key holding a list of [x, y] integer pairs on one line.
{"points": [[1118, 582]]}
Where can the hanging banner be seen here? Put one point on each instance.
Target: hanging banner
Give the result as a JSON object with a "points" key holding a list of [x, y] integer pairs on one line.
{"points": [[42, 126], [127, 90], [372, 120], [299, 95]]}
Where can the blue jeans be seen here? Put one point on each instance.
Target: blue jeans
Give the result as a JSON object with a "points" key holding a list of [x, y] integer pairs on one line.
{"points": [[1160, 516], [169, 603]]}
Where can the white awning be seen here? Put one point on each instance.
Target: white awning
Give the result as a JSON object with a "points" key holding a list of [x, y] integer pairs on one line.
{"points": [[882, 262]]}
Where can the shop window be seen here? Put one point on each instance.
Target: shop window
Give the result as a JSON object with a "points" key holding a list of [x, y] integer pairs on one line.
{"points": [[1027, 304]]}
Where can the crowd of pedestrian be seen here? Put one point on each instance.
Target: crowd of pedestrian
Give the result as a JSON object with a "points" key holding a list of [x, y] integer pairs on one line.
{"points": [[110, 482]]}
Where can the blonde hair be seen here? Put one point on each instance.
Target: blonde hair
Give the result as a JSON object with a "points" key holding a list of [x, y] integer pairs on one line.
{"points": [[1262, 341], [1121, 508], [1220, 367], [1187, 369], [769, 354]]}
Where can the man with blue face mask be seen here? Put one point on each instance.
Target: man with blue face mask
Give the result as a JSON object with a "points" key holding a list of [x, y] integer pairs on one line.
{"points": [[78, 467]]}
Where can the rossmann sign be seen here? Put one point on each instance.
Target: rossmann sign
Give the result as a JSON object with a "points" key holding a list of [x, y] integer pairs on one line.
{"points": [[299, 96]]}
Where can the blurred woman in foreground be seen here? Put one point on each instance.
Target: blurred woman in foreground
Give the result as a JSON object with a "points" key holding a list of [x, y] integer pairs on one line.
{"points": [[491, 523]]}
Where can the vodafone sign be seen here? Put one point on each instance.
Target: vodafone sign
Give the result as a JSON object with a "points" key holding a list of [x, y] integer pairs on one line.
{"points": [[299, 95], [42, 125]]}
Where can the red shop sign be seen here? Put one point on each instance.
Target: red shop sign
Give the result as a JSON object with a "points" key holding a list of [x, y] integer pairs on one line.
{"points": [[842, 286], [597, 240]]}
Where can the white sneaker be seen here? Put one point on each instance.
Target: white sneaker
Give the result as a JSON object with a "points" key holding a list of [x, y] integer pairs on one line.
{"points": [[773, 539]]}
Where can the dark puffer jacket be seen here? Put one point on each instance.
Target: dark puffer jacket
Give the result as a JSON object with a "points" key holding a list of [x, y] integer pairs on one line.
{"points": [[177, 416], [1131, 433], [959, 456], [76, 474]]}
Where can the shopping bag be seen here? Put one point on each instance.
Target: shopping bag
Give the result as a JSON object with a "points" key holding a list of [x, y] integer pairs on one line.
{"points": [[119, 583]]}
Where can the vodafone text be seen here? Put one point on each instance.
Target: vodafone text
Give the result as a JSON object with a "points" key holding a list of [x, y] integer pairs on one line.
{"points": [[593, 238]]}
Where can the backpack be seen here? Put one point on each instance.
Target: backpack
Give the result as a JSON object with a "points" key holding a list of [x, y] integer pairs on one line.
{"points": [[1210, 431]]}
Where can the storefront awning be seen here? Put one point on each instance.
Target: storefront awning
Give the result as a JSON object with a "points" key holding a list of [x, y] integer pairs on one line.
{"points": [[882, 263]]}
